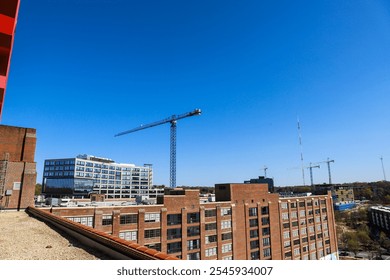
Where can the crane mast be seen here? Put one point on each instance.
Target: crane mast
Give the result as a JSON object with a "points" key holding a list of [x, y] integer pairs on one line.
{"points": [[173, 120]]}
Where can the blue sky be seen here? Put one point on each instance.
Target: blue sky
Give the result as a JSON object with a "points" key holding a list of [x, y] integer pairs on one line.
{"points": [[83, 71]]}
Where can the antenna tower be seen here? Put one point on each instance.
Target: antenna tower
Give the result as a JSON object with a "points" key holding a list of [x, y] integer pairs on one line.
{"points": [[300, 145]]}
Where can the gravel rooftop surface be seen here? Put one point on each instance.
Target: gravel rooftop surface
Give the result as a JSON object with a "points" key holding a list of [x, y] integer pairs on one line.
{"points": [[23, 237]]}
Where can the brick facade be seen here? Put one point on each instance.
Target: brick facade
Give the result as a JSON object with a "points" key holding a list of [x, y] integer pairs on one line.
{"points": [[17, 167], [246, 222]]}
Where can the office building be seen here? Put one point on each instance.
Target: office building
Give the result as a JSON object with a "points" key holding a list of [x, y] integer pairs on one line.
{"points": [[82, 175], [245, 222]]}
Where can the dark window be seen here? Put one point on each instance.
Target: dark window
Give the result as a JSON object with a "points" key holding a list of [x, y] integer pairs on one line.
{"points": [[266, 231], [107, 220], [193, 231], [253, 223], [226, 236], [173, 233], [152, 233], [174, 219], [254, 233], [255, 255], [264, 210], [254, 244], [128, 219], [211, 226], [174, 247], [265, 221], [210, 213], [193, 218]]}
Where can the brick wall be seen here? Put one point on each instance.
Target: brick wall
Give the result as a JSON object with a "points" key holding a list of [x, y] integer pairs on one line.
{"points": [[18, 169]]}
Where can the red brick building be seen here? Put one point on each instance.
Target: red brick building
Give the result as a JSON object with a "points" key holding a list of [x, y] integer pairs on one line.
{"points": [[17, 167], [245, 222]]}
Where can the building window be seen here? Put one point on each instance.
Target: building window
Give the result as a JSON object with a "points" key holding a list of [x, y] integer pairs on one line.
{"points": [[226, 224], [265, 231], [211, 252], [211, 226], [253, 233], [107, 220], [152, 233], [193, 231], [211, 239], [266, 241], [265, 221], [284, 205], [267, 252], [210, 213], [193, 218], [297, 251], [174, 219], [152, 217], [227, 248], [264, 210], [193, 244], [254, 244], [287, 244], [294, 214], [295, 233], [129, 219], [173, 233], [87, 221], [303, 230], [253, 212], [226, 211], [253, 223], [193, 256], [128, 235], [286, 234], [173, 247], [285, 216], [228, 258], [255, 255], [226, 236]]}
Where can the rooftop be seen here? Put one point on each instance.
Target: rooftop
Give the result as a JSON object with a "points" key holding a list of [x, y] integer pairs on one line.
{"points": [[23, 237]]}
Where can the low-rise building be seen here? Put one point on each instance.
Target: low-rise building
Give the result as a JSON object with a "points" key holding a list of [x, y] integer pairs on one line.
{"points": [[379, 216]]}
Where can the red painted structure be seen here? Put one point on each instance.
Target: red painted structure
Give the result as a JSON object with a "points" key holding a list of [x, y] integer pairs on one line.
{"points": [[8, 18]]}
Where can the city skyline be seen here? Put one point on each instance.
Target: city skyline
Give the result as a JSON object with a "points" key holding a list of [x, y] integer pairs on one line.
{"points": [[82, 71]]}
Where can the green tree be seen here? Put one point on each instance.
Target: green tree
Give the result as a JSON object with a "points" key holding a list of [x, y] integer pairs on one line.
{"points": [[38, 189]]}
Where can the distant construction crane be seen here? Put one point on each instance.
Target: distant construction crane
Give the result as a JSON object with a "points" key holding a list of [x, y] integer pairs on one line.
{"points": [[310, 167], [328, 162], [173, 120]]}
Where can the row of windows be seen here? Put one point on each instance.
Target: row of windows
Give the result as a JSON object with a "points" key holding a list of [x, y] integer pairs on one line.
{"points": [[315, 202]]}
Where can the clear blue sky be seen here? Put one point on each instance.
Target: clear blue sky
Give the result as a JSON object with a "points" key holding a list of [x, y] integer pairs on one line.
{"points": [[84, 70]]}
